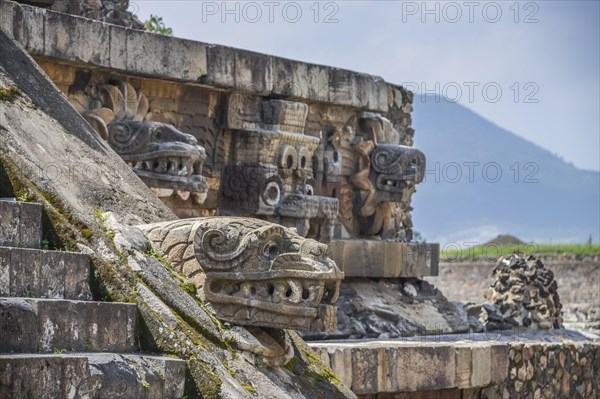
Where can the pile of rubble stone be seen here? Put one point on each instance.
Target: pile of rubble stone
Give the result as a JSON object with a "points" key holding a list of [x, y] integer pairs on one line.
{"points": [[522, 294]]}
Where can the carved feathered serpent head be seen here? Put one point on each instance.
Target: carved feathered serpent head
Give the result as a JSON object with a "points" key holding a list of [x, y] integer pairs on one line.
{"points": [[394, 168], [161, 155], [253, 272]]}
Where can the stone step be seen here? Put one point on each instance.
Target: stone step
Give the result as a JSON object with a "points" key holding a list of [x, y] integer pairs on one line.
{"points": [[29, 325], [384, 259], [389, 367], [20, 224], [39, 273], [91, 375]]}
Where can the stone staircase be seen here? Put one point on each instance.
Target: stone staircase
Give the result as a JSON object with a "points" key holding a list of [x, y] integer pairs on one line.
{"points": [[55, 342]]}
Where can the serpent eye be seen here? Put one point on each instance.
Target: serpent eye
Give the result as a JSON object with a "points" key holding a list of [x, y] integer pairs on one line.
{"points": [[271, 250]]}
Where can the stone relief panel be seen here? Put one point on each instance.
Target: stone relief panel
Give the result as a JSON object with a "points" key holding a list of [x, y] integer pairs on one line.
{"points": [[373, 176], [169, 161], [287, 162], [269, 167]]}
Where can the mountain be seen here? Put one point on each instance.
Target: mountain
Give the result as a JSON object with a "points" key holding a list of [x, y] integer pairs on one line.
{"points": [[483, 180]]}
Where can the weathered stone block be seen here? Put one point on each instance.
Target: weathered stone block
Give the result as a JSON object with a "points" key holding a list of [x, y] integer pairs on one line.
{"points": [[298, 80], [464, 362], [372, 258], [43, 376], [340, 359], [363, 91], [253, 72], [306, 81], [388, 376], [44, 274], [7, 12], [76, 39], [20, 224], [473, 365], [283, 78], [172, 58], [498, 363], [341, 86], [481, 366], [364, 370], [24, 24], [163, 377], [32, 325], [118, 47], [102, 375], [393, 367], [370, 92], [221, 66], [425, 368]]}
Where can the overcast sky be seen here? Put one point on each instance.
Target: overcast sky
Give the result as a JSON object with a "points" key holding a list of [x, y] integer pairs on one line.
{"points": [[530, 67]]}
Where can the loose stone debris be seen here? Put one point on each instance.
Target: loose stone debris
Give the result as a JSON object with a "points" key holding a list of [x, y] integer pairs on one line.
{"points": [[522, 293]]}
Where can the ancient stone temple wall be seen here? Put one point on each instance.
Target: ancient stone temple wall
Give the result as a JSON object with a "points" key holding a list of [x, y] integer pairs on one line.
{"points": [[217, 131], [349, 170]]}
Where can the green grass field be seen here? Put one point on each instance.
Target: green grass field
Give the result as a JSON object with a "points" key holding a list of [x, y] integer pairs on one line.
{"points": [[495, 251]]}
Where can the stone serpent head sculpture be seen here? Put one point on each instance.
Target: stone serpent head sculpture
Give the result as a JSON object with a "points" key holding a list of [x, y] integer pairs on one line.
{"points": [[380, 173], [162, 156], [254, 273]]}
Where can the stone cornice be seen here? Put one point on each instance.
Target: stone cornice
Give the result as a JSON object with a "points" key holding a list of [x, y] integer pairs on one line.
{"points": [[77, 40]]}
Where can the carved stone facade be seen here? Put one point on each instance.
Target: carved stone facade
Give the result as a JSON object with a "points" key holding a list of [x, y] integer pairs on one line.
{"points": [[269, 168], [300, 164], [330, 156], [333, 173]]}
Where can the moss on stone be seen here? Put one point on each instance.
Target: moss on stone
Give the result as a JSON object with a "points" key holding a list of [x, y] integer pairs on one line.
{"points": [[87, 234], [249, 388], [10, 93], [189, 287]]}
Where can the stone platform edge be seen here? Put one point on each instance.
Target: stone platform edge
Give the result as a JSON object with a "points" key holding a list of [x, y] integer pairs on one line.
{"points": [[385, 259], [518, 369], [97, 44]]}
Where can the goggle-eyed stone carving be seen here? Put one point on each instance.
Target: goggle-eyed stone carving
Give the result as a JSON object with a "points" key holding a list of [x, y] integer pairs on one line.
{"points": [[252, 272], [269, 172]]}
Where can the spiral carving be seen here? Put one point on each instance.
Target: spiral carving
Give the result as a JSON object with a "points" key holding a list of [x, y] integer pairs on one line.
{"points": [[128, 136], [218, 246], [398, 160]]}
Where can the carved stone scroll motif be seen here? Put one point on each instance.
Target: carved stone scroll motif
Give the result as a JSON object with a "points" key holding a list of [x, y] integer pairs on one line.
{"points": [[269, 172], [252, 272]]}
